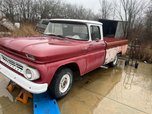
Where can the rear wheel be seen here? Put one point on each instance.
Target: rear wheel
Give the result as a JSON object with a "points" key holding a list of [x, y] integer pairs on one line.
{"points": [[114, 62], [61, 83]]}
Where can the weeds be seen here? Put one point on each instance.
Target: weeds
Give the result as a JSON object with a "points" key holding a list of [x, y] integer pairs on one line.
{"points": [[25, 30]]}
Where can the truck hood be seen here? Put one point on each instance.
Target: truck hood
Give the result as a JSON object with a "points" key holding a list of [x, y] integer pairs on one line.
{"points": [[44, 49]]}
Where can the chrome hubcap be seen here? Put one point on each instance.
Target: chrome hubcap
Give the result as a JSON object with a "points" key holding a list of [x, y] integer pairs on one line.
{"points": [[64, 83]]}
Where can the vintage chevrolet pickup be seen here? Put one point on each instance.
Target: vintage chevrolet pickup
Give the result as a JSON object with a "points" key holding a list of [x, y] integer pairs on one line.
{"points": [[68, 48]]}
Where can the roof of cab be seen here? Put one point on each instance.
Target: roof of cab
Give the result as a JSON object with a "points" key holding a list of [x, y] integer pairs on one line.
{"points": [[78, 20]]}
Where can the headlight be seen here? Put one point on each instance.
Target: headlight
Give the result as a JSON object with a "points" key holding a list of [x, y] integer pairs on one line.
{"points": [[28, 74], [31, 74]]}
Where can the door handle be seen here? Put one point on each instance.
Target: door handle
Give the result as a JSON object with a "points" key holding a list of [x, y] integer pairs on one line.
{"points": [[90, 45]]}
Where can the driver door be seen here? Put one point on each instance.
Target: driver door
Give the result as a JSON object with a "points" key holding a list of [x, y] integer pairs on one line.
{"points": [[96, 51]]}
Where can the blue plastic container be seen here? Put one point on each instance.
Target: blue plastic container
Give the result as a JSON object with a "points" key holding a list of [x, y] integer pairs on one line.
{"points": [[43, 104]]}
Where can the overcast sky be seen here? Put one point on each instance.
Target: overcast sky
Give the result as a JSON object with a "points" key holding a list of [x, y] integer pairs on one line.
{"points": [[92, 4]]}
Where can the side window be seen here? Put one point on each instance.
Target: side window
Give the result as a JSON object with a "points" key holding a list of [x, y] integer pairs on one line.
{"points": [[95, 32]]}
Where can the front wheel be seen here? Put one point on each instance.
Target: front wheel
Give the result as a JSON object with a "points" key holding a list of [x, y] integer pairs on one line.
{"points": [[61, 83]]}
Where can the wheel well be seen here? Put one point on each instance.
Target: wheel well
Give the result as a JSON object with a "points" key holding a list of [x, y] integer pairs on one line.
{"points": [[120, 53], [73, 66]]}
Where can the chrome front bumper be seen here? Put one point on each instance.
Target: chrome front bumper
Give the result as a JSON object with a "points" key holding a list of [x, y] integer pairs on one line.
{"points": [[23, 82]]}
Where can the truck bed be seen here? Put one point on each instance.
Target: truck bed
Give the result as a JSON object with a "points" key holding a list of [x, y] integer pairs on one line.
{"points": [[113, 47], [114, 42]]}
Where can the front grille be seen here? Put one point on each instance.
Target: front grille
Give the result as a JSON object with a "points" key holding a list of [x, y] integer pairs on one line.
{"points": [[12, 63]]}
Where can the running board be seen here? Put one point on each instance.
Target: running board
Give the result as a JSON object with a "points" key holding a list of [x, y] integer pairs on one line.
{"points": [[104, 66]]}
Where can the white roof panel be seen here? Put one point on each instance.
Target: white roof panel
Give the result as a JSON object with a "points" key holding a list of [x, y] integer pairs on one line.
{"points": [[78, 20]]}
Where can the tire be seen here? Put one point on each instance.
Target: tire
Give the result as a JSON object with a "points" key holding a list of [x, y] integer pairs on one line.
{"points": [[114, 62], [136, 65], [61, 83]]}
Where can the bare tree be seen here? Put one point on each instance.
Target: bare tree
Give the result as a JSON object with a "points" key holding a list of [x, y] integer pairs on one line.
{"points": [[8, 7], [105, 9], [129, 12], [148, 25], [31, 10], [0, 7]]}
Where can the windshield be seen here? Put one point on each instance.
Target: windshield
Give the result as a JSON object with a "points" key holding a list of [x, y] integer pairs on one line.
{"points": [[70, 30]]}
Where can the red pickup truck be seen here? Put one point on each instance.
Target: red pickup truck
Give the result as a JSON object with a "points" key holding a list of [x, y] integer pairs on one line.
{"points": [[68, 48]]}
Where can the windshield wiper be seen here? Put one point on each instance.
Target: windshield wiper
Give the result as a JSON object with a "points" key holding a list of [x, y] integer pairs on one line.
{"points": [[55, 35]]}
